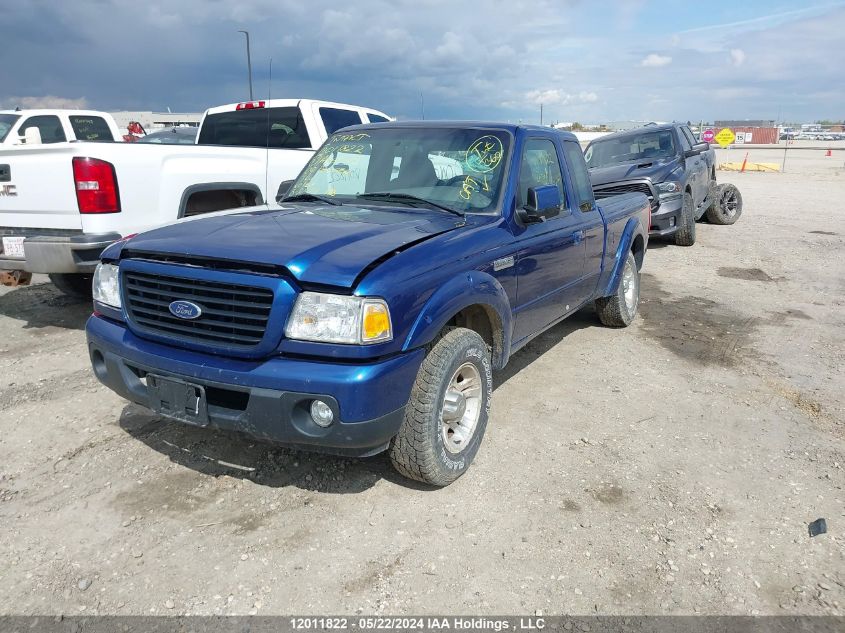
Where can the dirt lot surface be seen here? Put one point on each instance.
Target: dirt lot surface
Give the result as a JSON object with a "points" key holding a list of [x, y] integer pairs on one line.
{"points": [[671, 467]]}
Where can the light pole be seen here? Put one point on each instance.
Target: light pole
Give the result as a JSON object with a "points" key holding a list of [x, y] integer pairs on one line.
{"points": [[248, 62]]}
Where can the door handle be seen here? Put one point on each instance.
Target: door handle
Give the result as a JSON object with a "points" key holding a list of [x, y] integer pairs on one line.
{"points": [[577, 236]]}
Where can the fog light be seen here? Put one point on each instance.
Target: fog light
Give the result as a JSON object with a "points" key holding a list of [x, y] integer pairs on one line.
{"points": [[321, 413]]}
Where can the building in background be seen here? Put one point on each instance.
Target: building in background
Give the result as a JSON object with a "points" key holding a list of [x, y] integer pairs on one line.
{"points": [[156, 120]]}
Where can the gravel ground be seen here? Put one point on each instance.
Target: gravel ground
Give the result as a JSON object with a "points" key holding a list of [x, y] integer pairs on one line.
{"points": [[671, 467]]}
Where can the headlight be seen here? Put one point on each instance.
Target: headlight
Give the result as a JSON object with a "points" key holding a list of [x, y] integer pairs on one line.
{"points": [[107, 285], [668, 187], [331, 318]]}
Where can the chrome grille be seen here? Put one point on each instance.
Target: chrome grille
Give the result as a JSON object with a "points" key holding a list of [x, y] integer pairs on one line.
{"points": [[628, 187], [233, 315]]}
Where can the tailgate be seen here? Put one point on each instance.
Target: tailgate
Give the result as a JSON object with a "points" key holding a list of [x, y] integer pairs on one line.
{"points": [[36, 188]]}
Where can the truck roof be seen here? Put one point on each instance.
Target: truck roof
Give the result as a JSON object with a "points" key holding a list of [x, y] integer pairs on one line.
{"points": [[66, 111], [498, 125], [652, 127], [290, 103]]}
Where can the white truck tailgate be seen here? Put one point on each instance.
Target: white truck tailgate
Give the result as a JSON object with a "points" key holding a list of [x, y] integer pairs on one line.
{"points": [[38, 189]]}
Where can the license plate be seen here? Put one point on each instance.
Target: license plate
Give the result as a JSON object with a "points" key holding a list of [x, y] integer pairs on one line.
{"points": [[178, 399], [13, 247]]}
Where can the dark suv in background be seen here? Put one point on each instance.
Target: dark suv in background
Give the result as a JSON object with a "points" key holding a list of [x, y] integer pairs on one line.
{"points": [[665, 162]]}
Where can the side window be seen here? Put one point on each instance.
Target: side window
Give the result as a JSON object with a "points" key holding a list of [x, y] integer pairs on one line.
{"points": [[580, 177], [688, 133], [49, 126], [376, 118], [540, 166], [335, 118], [685, 142], [90, 128]]}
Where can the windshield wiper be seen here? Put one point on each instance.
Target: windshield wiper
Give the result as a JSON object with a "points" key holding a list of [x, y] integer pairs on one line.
{"points": [[408, 199], [311, 197]]}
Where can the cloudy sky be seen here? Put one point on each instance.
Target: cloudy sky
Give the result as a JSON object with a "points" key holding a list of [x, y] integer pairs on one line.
{"points": [[584, 60]]}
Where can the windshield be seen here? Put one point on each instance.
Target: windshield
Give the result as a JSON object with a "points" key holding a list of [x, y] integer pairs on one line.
{"points": [[461, 169], [6, 123], [643, 147]]}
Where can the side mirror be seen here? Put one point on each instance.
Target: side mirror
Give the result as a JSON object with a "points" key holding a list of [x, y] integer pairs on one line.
{"points": [[283, 190], [697, 149], [32, 136], [543, 203]]}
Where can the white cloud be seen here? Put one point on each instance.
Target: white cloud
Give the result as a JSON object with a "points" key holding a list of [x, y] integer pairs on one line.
{"points": [[656, 61], [47, 101], [737, 56], [559, 97]]}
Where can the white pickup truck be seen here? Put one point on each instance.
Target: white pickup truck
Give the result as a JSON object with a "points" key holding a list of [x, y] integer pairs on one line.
{"points": [[45, 127], [61, 204]]}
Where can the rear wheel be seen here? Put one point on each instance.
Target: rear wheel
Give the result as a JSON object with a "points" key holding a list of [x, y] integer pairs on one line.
{"points": [[447, 413], [727, 206], [685, 235], [73, 284], [619, 309]]}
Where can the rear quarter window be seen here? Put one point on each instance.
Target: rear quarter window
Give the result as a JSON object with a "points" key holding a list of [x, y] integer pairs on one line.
{"points": [[90, 128], [337, 118]]}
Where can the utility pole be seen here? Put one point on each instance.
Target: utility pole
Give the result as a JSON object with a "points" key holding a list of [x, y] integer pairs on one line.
{"points": [[248, 62], [541, 114], [422, 107]]}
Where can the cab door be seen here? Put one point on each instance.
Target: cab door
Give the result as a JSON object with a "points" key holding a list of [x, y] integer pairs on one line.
{"points": [[550, 254], [695, 166]]}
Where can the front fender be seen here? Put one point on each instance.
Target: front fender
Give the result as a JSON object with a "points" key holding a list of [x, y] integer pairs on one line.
{"points": [[633, 228], [467, 289]]}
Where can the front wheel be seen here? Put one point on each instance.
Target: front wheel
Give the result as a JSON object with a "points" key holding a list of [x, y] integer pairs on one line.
{"points": [[74, 284], [685, 235], [619, 309], [446, 416]]}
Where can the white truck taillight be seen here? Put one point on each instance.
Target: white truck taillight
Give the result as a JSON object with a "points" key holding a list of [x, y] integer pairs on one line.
{"points": [[96, 186], [249, 105]]}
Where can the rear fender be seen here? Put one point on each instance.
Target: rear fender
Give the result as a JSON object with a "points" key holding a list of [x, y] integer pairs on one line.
{"points": [[469, 288], [633, 228]]}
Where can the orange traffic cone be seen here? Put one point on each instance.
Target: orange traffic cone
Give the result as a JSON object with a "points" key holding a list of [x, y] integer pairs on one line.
{"points": [[828, 153]]}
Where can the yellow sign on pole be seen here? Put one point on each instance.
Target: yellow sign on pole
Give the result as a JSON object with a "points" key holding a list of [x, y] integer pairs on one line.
{"points": [[725, 137]]}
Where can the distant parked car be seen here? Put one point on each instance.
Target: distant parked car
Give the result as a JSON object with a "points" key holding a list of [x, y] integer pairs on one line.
{"points": [[172, 136]]}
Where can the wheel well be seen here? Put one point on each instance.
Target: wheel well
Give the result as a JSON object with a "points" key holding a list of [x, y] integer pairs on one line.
{"points": [[485, 321], [210, 200], [638, 249]]}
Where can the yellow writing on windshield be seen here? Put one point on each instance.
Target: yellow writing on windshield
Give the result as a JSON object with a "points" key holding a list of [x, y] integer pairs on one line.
{"points": [[485, 154]]}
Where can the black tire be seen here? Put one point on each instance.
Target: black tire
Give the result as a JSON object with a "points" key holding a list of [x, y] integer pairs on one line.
{"points": [[73, 284], [727, 206], [615, 311], [685, 235], [419, 451]]}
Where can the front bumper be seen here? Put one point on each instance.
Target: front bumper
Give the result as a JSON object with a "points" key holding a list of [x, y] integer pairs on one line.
{"points": [[74, 253], [270, 398], [667, 218]]}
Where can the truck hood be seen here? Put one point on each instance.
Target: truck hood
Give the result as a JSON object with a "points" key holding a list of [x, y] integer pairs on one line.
{"points": [[657, 171], [320, 244]]}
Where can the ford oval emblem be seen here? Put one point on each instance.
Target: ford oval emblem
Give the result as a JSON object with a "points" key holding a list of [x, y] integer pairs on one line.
{"points": [[185, 310]]}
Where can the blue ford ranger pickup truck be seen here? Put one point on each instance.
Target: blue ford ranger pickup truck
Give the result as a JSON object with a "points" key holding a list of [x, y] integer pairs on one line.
{"points": [[668, 164], [367, 310]]}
